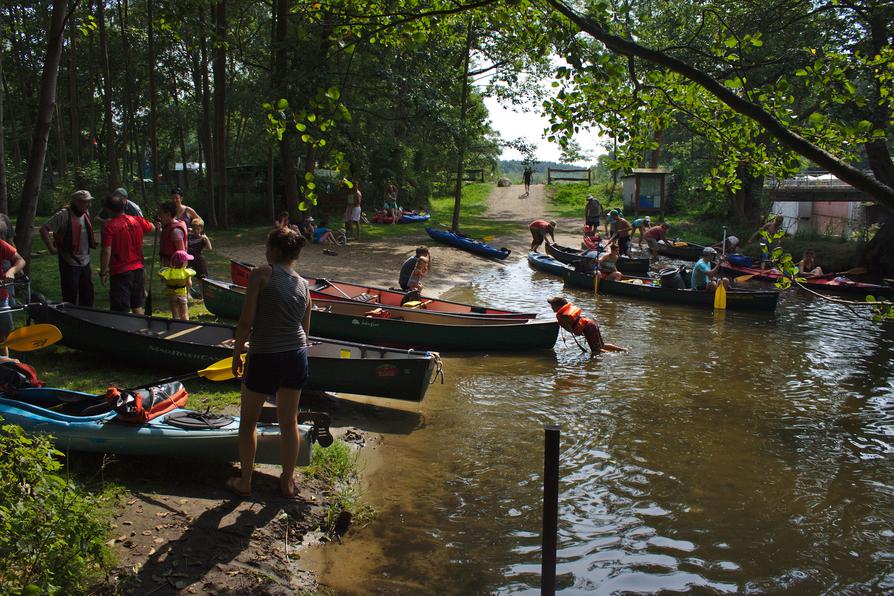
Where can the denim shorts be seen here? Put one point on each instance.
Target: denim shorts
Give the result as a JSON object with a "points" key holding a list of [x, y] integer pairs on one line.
{"points": [[267, 373]]}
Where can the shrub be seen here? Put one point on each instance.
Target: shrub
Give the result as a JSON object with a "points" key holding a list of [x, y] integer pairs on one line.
{"points": [[52, 532]]}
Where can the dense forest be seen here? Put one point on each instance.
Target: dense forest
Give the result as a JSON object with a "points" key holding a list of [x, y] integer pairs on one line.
{"points": [[262, 98]]}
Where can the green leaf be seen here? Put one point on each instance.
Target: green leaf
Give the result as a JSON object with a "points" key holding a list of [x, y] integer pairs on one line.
{"points": [[800, 73], [730, 42], [282, 104], [300, 127]]}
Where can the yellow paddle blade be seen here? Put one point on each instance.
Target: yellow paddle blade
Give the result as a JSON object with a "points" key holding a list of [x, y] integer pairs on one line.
{"points": [[222, 370], [742, 278], [720, 296], [681, 244], [32, 337], [595, 282], [488, 238], [854, 271]]}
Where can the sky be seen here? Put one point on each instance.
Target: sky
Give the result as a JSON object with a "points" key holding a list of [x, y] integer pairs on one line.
{"points": [[530, 125]]}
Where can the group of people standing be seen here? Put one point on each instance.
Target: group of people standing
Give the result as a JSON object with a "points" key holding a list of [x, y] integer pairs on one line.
{"points": [[181, 238]]}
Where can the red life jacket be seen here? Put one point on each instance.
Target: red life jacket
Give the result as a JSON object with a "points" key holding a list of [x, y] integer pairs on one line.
{"points": [[142, 405], [64, 238], [569, 317], [16, 375], [167, 248]]}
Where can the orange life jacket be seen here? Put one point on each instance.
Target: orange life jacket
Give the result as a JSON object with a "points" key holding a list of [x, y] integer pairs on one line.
{"points": [[569, 317]]}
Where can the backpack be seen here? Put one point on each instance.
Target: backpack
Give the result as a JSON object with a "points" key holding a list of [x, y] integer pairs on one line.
{"points": [[15, 375]]}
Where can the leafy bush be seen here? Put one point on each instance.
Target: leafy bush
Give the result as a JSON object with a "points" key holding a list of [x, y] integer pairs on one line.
{"points": [[52, 532]]}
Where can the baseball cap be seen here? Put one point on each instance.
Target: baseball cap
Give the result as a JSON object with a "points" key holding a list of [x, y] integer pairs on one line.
{"points": [[181, 256], [120, 191], [709, 251], [648, 219]]}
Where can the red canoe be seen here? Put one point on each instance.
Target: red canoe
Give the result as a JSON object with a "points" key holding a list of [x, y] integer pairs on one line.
{"points": [[325, 289], [831, 283]]}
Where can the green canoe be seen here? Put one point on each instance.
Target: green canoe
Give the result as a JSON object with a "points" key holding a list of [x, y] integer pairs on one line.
{"points": [[184, 346], [404, 327]]}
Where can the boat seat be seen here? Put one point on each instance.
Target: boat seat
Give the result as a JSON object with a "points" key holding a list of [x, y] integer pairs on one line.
{"points": [[364, 297]]}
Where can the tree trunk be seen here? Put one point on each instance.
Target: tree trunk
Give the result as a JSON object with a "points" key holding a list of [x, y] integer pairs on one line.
{"points": [[45, 102], [280, 63], [220, 109], [205, 128], [153, 108], [73, 104], [4, 199], [114, 175], [61, 160], [271, 180], [461, 144]]}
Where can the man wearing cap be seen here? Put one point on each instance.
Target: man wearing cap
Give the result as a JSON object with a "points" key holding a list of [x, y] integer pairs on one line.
{"points": [[121, 261], [621, 233], [592, 212], [539, 229], [69, 234], [130, 208], [703, 274]]}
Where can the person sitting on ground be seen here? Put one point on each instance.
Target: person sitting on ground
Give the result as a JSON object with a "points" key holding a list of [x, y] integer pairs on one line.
{"points": [[807, 265], [654, 235], [414, 284], [391, 207], [570, 319], [642, 224], [409, 266], [178, 279], [196, 243], [703, 275], [306, 227], [539, 229], [323, 235], [608, 263]]}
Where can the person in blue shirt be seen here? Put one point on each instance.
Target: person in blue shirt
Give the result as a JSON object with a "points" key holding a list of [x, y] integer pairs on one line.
{"points": [[642, 224], [703, 273]]}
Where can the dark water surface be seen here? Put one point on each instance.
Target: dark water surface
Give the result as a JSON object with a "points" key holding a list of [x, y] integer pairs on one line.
{"points": [[734, 453]]}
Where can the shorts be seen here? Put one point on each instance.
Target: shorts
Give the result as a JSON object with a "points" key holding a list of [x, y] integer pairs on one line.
{"points": [[126, 290], [652, 243], [184, 299], [352, 214], [6, 324], [592, 220], [267, 373]]}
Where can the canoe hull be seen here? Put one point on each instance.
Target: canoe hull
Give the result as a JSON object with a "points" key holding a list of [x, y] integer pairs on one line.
{"points": [[103, 434], [468, 244], [825, 284], [683, 253], [150, 341], [735, 299], [571, 256], [435, 331]]}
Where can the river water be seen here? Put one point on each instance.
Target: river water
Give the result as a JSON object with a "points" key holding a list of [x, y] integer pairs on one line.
{"points": [[741, 452]]}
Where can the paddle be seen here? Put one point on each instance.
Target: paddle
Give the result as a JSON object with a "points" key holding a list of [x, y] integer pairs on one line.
{"points": [[222, 370], [32, 337], [720, 292]]}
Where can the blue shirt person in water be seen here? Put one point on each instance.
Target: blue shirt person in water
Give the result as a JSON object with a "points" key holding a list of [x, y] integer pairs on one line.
{"points": [[703, 274]]}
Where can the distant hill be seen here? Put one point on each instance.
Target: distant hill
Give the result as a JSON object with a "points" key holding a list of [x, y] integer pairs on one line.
{"points": [[513, 169]]}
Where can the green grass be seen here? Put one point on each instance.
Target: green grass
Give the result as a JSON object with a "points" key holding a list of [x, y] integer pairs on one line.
{"points": [[472, 220], [569, 199], [337, 467]]}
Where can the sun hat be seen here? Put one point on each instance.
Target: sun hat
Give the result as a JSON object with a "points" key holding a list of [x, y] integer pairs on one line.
{"points": [[181, 256], [83, 195]]}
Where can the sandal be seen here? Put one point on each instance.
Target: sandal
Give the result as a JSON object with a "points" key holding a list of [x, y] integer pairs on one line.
{"points": [[232, 485]]}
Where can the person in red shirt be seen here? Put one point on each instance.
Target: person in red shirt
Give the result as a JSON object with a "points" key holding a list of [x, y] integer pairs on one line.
{"points": [[539, 229], [654, 235], [17, 263], [173, 233], [122, 257], [570, 319]]}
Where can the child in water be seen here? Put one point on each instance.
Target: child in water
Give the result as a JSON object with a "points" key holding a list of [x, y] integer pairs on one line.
{"points": [[570, 319], [177, 280]]}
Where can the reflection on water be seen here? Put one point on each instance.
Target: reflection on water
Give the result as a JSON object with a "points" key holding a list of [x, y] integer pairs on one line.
{"points": [[746, 452]]}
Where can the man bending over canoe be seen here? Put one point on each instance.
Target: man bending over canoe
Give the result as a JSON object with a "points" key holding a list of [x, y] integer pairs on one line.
{"points": [[539, 229], [570, 319]]}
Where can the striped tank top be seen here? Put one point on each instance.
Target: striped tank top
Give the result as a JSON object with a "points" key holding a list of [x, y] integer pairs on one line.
{"points": [[280, 310]]}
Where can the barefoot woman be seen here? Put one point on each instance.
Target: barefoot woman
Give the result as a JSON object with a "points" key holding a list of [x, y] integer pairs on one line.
{"points": [[277, 315]]}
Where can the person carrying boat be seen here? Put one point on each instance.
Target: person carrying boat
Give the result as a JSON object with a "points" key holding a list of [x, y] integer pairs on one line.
{"points": [[72, 239], [539, 229], [173, 233], [703, 275], [592, 212], [642, 224], [121, 260], [608, 263], [654, 235], [571, 320], [276, 319], [409, 266]]}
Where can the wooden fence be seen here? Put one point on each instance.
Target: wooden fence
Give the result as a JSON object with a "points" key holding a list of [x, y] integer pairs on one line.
{"points": [[563, 175]]}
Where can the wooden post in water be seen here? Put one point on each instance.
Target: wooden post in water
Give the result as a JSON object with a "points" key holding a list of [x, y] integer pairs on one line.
{"points": [[550, 509]]}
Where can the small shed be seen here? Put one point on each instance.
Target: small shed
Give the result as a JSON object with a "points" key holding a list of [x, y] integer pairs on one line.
{"points": [[643, 190]]}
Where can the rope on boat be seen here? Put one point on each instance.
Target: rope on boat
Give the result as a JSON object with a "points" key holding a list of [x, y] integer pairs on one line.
{"points": [[439, 371]]}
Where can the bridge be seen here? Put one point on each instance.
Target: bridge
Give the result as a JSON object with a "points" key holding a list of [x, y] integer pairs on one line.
{"points": [[815, 187]]}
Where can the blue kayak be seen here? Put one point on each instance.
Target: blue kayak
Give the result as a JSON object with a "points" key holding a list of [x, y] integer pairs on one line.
{"points": [[463, 242], [546, 264], [85, 422], [413, 217]]}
